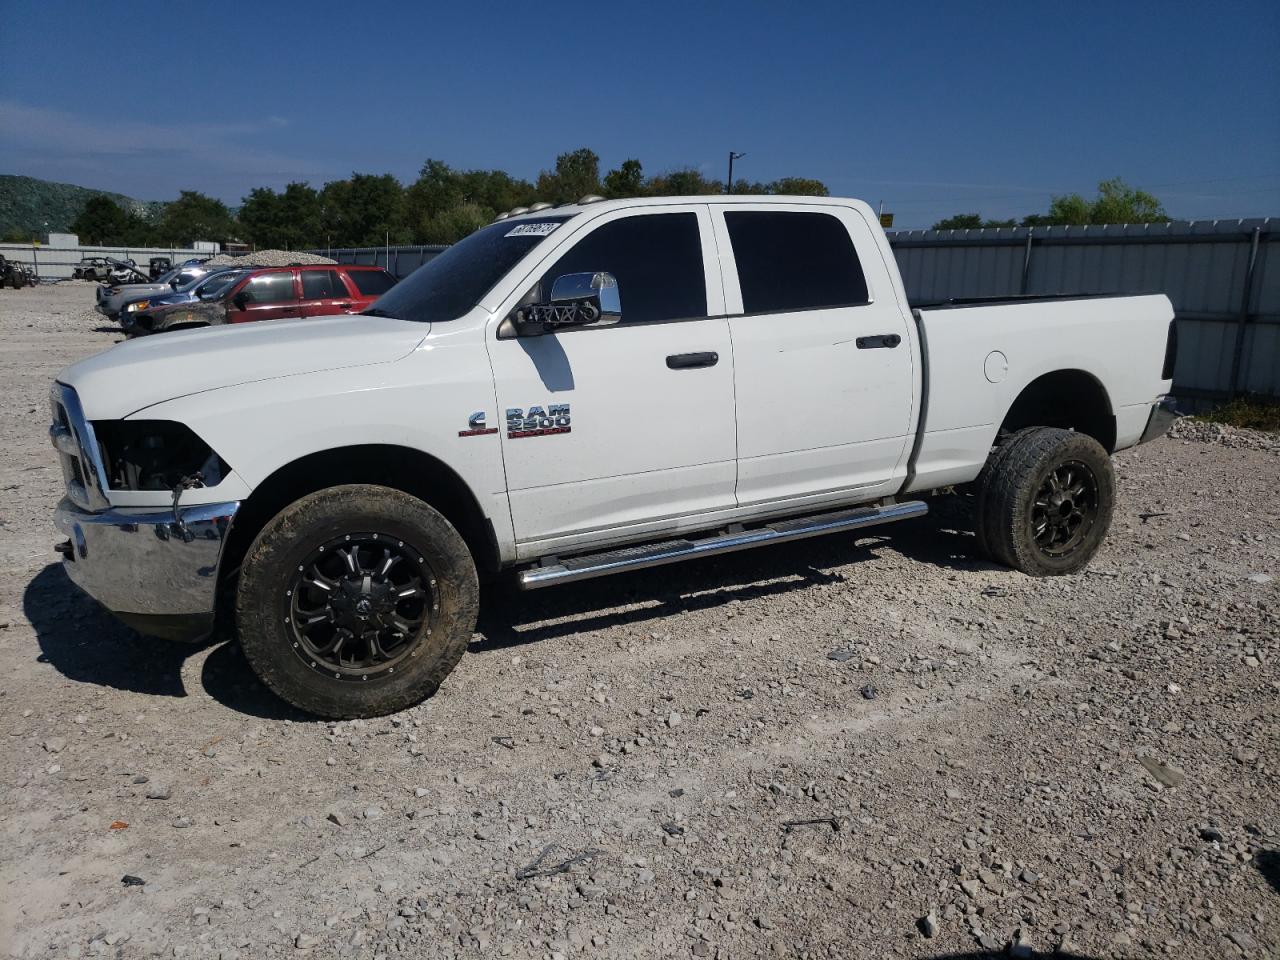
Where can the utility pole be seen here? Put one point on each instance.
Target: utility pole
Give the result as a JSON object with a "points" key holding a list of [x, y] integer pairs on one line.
{"points": [[728, 187]]}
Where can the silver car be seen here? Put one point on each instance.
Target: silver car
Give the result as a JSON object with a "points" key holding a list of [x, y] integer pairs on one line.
{"points": [[111, 300]]}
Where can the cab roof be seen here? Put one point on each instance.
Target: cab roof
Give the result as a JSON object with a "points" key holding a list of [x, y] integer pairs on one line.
{"points": [[719, 199]]}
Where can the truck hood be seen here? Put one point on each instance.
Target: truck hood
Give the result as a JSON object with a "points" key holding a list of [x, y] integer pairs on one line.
{"points": [[133, 289], [139, 373]]}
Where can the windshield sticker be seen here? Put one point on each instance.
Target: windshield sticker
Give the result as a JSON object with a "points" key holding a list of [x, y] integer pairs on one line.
{"points": [[531, 230]]}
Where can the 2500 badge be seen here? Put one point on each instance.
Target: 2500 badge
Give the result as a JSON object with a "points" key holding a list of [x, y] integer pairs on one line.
{"points": [[537, 421]]}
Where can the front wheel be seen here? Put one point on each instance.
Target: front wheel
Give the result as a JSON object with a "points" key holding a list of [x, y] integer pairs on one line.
{"points": [[356, 601], [1046, 502]]}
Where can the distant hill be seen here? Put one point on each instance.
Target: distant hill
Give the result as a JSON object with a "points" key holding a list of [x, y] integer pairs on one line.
{"points": [[29, 204]]}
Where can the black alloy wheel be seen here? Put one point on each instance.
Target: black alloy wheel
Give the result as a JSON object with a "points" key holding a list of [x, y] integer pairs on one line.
{"points": [[359, 605], [356, 601], [1065, 509], [1044, 501]]}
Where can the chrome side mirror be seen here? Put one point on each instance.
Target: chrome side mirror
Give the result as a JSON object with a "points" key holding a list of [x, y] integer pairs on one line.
{"points": [[577, 300]]}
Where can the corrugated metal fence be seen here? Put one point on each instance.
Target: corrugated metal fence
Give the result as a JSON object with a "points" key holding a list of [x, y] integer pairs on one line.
{"points": [[1223, 277], [399, 261]]}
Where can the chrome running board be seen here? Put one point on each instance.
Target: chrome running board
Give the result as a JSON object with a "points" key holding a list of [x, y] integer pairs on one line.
{"points": [[673, 551]]}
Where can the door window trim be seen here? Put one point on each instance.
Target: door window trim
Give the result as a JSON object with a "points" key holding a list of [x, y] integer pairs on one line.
{"points": [[295, 299], [849, 217], [711, 272]]}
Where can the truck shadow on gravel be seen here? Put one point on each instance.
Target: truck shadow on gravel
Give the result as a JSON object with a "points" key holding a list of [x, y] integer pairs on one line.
{"points": [[510, 617], [85, 643]]}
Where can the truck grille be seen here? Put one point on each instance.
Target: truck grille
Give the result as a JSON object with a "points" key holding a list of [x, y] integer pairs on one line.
{"points": [[72, 436]]}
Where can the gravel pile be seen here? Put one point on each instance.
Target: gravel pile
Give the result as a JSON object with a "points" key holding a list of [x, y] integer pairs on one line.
{"points": [[877, 746], [1185, 428], [267, 258]]}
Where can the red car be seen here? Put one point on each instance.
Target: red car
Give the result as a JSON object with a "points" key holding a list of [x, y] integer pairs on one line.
{"points": [[270, 293]]}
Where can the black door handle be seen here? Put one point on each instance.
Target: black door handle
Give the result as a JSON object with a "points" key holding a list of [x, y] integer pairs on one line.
{"points": [[883, 340], [686, 361]]}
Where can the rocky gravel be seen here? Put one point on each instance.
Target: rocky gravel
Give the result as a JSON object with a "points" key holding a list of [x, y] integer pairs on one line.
{"points": [[267, 258], [1237, 438], [872, 746]]}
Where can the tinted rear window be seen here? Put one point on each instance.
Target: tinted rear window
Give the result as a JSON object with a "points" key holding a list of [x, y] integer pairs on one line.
{"points": [[372, 283], [794, 261], [322, 285]]}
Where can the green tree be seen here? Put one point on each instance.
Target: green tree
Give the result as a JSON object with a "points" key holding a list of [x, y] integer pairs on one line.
{"points": [[1117, 202], [102, 221], [362, 211], [450, 226], [194, 216], [577, 174], [301, 217], [439, 190], [798, 186], [261, 218], [685, 183], [495, 190], [15, 235], [290, 220], [105, 222], [970, 221], [626, 181]]}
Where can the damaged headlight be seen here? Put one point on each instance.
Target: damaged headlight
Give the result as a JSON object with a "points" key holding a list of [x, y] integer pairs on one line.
{"points": [[155, 455]]}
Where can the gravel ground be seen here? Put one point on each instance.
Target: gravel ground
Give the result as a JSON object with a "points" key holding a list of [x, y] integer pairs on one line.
{"points": [[267, 258], [871, 746]]}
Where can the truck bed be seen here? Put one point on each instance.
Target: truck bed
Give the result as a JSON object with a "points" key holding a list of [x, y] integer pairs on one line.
{"points": [[978, 355]]}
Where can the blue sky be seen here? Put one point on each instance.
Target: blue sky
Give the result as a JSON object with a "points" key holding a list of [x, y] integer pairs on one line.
{"points": [[934, 108]]}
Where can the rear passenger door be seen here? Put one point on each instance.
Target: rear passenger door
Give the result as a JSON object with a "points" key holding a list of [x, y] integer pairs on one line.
{"points": [[324, 294], [822, 361], [265, 296]]}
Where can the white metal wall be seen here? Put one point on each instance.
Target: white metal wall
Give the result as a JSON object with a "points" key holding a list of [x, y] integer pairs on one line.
{"points": [[1223, 277], [56, 263]]}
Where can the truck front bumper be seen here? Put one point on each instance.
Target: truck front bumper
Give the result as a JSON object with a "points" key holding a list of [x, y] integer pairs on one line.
{"points": [[156, 571], [1163, 413]]}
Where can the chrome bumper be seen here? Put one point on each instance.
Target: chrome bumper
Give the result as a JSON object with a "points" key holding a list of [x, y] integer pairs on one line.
{"points": [[1163, 413], [155, 571]]}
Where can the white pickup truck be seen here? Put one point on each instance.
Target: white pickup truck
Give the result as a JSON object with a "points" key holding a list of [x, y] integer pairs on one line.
{"points": [[571, 392]]}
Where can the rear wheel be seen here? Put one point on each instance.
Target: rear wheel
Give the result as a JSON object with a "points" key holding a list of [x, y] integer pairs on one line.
{"points": [[356, 601], [1045, 501]]}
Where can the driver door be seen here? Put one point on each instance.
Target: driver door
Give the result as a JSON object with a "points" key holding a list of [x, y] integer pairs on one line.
{"points": [[625, 429]]}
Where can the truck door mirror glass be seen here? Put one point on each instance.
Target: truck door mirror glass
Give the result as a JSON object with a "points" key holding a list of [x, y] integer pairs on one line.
{"points": [[590, 298]]}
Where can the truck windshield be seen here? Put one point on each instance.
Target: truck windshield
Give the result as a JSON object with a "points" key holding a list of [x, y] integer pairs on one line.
{"points": [[447, 287]]}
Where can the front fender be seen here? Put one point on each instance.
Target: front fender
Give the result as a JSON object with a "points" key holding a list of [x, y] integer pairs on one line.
{"points": [[422, 401]]}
